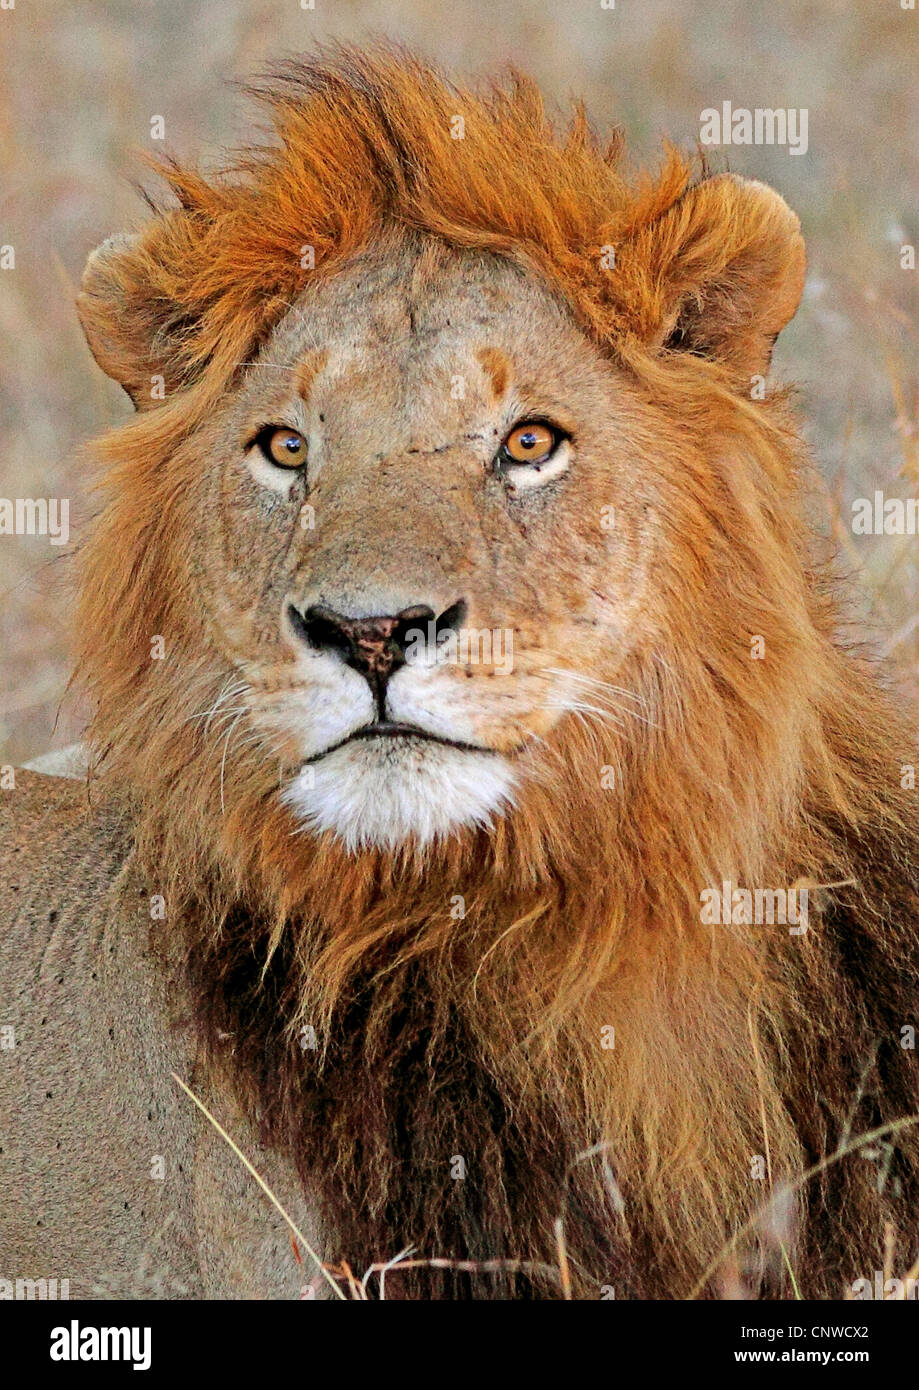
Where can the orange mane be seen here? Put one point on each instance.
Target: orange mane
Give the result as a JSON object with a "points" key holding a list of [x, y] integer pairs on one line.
{"points": [[365, 137]]}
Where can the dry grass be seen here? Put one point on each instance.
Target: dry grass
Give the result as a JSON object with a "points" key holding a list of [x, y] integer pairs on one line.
{"points": [[79, 85], [770, 1223]]}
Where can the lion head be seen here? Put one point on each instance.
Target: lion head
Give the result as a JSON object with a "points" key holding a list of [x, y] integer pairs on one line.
{"points": [[452, 618], [427, 510]]}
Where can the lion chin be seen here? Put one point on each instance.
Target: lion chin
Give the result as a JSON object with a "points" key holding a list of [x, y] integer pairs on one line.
{"points": [[387, 792]]}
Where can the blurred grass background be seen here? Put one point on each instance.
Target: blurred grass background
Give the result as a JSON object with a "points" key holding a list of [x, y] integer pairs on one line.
{"points": [[80, 81]]}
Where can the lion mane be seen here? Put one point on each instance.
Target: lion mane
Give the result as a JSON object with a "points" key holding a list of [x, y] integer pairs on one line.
{"points": [[481, 1037]]}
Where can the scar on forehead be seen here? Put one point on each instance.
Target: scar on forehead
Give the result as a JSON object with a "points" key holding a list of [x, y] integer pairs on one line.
{"points": [[308, 370], [497, 369]]}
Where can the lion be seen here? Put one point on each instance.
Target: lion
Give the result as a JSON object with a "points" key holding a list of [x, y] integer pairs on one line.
{"points": [[489, 818]]}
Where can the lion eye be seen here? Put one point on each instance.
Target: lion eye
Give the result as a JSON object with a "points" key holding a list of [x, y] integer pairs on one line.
{"points": [[532, 442], [282, 446]]}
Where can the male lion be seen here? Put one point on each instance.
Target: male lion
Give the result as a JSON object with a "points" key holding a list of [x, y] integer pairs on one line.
{"points": [[487, 818]]}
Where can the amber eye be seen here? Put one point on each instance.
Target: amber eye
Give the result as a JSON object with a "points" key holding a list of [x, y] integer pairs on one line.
{"points": [[531, 442], [282, 446]]}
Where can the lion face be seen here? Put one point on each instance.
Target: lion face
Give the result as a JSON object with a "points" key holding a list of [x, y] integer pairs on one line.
{"points": [[409, 603], [408, 516]]}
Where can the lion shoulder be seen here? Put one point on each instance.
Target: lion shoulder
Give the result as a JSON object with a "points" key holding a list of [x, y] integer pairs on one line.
{"points": [[60, 838]]}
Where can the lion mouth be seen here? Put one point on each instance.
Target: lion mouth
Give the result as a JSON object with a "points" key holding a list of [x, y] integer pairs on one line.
{"points": [[385, 728]]}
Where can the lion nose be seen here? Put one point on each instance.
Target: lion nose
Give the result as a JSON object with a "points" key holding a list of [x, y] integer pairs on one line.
{"points": [[374, 646]]}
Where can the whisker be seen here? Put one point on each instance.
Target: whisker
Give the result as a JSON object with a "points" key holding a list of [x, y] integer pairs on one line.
{"points": [[598, 684], [228, 690], [606, 716], [280, 366], [223, 760], [600, 689]]}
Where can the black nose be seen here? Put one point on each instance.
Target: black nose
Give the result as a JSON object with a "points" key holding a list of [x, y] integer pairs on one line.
{"points": [[374, 646]]}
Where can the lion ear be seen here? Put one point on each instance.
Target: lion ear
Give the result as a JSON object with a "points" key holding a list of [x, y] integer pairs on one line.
{"points": [[725, 266], [127, 323]]}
